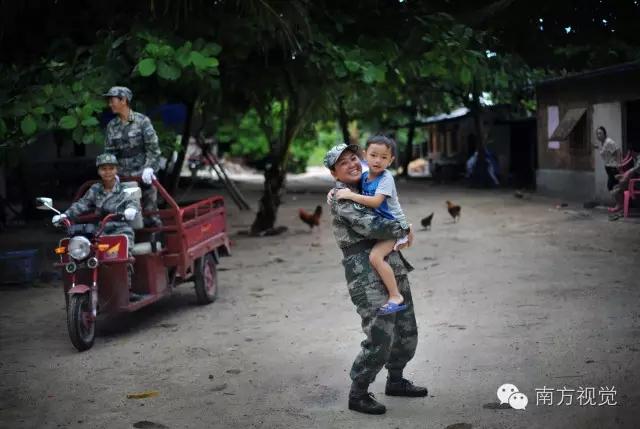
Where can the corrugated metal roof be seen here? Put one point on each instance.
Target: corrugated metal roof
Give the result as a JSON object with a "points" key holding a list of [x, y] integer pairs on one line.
{"points": [[456, 113], [604, 71]]}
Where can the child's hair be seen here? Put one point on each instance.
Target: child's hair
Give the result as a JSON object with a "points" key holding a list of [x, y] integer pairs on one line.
{"points": [[380, 139], [604, 131]]}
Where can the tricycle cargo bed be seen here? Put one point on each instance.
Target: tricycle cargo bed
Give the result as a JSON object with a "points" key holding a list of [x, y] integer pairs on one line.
{"points": [[189, 232]]}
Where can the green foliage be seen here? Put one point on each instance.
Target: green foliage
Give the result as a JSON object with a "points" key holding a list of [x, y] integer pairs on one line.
{"points": [[170, 59], [63, 92], [248, 140]]}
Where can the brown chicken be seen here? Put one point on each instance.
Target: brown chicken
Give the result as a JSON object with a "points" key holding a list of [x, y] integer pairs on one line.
{"points": [[311, 219], [454, 210]]}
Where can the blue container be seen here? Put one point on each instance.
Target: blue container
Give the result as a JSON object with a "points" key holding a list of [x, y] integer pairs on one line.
{"points": [[19, 266]]}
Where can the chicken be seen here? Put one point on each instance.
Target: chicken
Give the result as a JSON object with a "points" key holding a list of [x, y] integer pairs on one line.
{"points": [[454, 210], [311, 219], [426, 222]]}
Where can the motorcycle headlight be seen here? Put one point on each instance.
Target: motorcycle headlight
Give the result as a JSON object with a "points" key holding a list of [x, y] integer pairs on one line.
{"points": [[79, 248]]}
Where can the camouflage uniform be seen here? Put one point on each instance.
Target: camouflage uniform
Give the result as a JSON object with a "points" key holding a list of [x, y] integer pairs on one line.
{"points": [[135, 143], [102, 203], [391, 340]]}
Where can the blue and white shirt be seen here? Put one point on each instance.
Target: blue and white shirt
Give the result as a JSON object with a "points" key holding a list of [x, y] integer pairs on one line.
{"points": [[384, 185]]}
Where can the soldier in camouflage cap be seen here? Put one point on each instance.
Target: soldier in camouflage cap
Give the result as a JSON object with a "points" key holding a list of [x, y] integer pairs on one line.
{"points": [[391, 340], [119, 91], [106, 158], [131, 137], [334, 153]]}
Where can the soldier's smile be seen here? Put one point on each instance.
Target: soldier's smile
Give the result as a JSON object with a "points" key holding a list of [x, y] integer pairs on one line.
{"points": [[348, 168]]}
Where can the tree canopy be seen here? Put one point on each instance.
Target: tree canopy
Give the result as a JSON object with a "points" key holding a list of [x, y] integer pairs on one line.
{"points": [[274, 75]]}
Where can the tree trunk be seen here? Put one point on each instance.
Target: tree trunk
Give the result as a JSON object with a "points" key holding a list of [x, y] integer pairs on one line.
{"points": [[173, 178], [408, 151], [343, 119], [274, 178], [479, 175]]}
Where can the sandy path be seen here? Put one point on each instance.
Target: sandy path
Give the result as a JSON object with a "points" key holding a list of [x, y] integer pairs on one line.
{"points": [[516, 292]]}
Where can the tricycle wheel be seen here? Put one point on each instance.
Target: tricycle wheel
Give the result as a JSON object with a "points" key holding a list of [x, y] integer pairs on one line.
{"points": [[206, 279], [80, 323]]}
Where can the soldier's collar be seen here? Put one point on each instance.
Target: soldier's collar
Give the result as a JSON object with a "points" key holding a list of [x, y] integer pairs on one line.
{"points": [[131, 112]]}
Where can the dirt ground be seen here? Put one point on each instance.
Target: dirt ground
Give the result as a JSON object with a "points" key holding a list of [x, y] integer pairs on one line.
{"points": [[516, 292]]}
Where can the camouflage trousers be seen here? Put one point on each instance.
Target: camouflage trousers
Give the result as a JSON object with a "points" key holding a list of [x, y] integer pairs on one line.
{"points": [[391, 340], [149, 203]]}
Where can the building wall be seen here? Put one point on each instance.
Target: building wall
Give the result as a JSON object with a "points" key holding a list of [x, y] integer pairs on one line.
{"points": [[581, 167]]}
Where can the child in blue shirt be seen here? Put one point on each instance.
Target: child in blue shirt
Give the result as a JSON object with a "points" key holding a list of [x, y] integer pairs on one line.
{"points": [[379, 192]]}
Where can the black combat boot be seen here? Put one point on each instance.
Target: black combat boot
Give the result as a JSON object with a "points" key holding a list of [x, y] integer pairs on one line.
{"points": [[404, 387], [365, 403]]}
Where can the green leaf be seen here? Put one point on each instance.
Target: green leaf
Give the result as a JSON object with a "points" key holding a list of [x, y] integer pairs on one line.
{"points": [[339, 69], [68, 122], [87, 138], [147, 67], [198, 60], [374, 74], [86, 111], [76, 87], [152, 49], [465, 76], [352, 66], [183, 56], [212, 62], [90, 122], [28, 125], [168, 71]]}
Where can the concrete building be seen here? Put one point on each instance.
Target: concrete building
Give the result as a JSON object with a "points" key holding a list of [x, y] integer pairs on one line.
{"points": [[570, 109]]}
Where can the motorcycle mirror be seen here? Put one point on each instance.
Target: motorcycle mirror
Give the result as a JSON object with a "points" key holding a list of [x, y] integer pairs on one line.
{"points": [[44, 203]]}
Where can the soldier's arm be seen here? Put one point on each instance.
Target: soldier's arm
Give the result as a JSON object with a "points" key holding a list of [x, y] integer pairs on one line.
{"points": [[83, 205], [366, 223], [151, 145], [109, 147]]}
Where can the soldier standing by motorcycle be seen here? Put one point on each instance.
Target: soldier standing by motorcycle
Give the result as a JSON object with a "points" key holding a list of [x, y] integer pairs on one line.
{"points": [[132, 139]]}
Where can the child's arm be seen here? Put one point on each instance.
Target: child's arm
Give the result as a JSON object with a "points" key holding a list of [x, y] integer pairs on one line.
{"points": [[372, 202]]}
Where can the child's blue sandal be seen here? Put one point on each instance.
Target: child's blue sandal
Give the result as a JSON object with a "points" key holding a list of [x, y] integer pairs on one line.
{"points": [[390, 308]]}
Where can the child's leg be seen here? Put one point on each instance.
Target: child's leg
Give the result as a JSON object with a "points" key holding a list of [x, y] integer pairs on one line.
{"points": [[384, 270]]}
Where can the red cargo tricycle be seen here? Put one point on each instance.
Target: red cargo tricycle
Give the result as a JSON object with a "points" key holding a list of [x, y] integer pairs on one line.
{"points": [[185, 248]]}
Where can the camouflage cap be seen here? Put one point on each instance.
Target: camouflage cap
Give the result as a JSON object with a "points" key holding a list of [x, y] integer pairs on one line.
{"points": [[334, 153], [106, 158], [119, 91]]}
